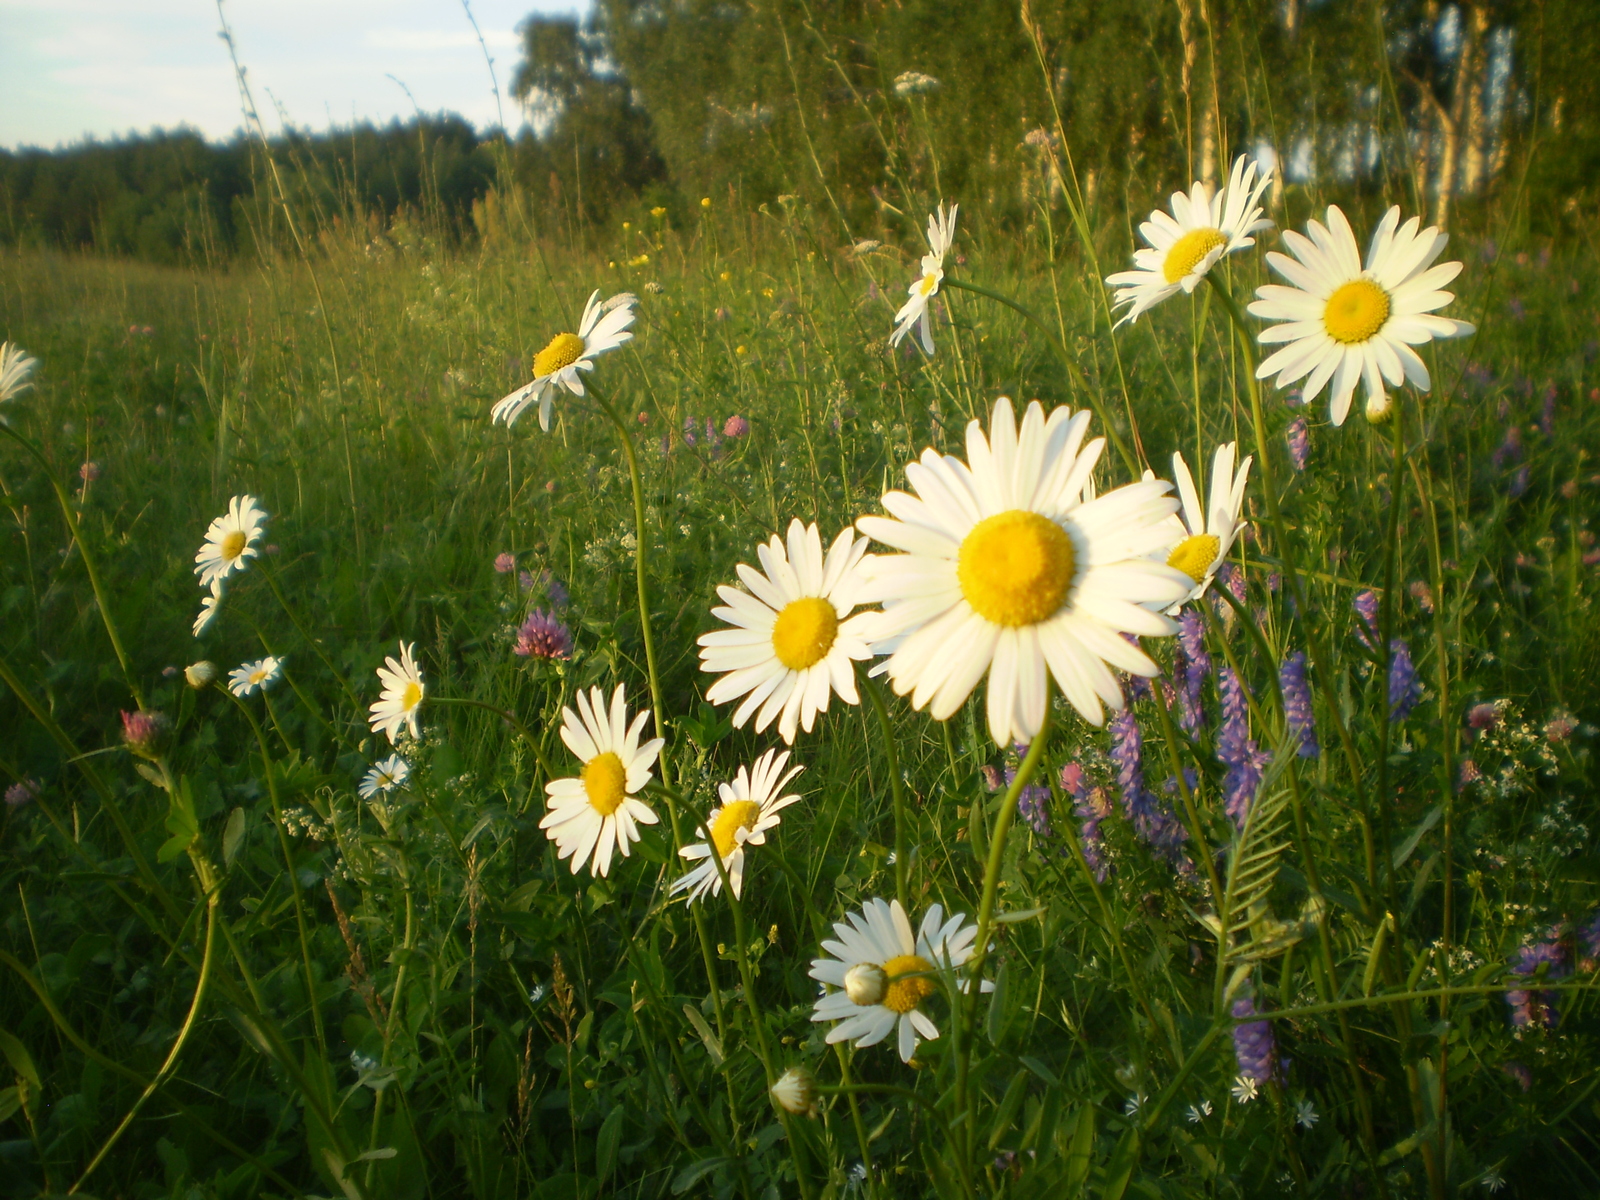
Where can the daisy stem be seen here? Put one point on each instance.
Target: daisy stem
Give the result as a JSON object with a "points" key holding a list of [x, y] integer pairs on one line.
{"points": [[1073, 369], [980, 950], [855, 1109], [288, 862], [89, 566], [741, 954], [874, 691], [272, 582], [1269, 489]]}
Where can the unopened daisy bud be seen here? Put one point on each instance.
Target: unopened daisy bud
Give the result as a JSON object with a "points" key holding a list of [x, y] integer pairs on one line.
{"points": [[144, 732], [1379, 409], [865, 984], [200, 675], [796, 1092]]}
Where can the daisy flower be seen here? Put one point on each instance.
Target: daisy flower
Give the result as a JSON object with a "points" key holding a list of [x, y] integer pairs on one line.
{"points": [[210, 606], [1009, 572], [603, 327], [1208, 533], [403, 691], [230, 541], [749, 808], [1187, 243], [1343, 323], [385, 776], [598, 811], [914, 312], [884, 974], [255, 677], [16, 371], [793, 639]]}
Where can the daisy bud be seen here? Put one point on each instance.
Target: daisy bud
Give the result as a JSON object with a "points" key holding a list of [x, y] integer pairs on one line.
{"points": [[145, 731], [1379, 409], [865, 984], [796, 1092], [200, 675]]}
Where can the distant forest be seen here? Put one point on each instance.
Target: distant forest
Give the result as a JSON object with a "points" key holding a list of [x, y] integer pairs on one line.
{"points": [[871, 107]]}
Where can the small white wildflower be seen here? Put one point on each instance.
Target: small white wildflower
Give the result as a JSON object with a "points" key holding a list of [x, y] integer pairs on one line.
{"points": [[1134, 1104], [1493, 1180], [1244, 1089], [914, 83], [1198, 1112], [1305, 1114]]}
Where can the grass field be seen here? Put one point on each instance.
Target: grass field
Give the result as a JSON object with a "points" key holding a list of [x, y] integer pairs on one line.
{"points": [[227, 975]]}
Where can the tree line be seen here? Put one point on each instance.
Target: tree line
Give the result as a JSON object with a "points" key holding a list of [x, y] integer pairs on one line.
{"points": [[871, 107]]}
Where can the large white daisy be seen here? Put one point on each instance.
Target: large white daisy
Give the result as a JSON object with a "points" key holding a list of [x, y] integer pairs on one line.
{"points": [[750, 806], [1009, 572], [914, 312], [599, 811], [230, 542], [16, 371], [1187, 243], [793, 639], [402, 695], [1343, 323], [883, 974], [603, 327], [1208, 533], [255, 677]]}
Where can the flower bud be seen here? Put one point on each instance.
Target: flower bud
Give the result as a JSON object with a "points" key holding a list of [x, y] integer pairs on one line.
{"points": [[145, 732], [200, 675], [796, 1092], [1379, 409], [865, 984]]}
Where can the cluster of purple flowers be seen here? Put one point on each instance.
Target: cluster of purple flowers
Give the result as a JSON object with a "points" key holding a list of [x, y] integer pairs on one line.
{"points": [[21, 792], [543, 635], [1033, 803], [1151, 820], [1090, 806], [1253, 1044], [1297, 703], [1534, 1006], [544, 582], [1191, 666], [1547, 417], [1237, 750], [1366, 606], [1404, 687], [1299, 437]]}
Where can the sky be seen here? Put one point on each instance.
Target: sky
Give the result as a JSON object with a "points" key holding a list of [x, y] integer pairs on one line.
{"points": [[70, 69]]}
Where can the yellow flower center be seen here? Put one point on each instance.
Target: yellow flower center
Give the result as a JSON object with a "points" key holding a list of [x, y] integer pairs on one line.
{"points": [[741, 814], [804, 632], [1189, 250], [259, 676], [1356, 311], [907, 987], [562, 351], [412, 696], [233, 545], [605, 781], [929, 284], [1194, 555], [1016, 568]]}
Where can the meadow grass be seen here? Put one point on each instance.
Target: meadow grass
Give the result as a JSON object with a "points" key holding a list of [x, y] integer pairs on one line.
{"points": [[414, 997]]}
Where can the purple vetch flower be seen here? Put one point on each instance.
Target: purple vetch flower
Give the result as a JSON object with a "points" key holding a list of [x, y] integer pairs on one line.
{"points": [[1537, 1007], [1588, 938], [1033, 802], [1154, 825], [1547, 418], [1510, 449], [1091, 806], [1253, 1044], [1233, 579], [1299, 437], [1297, 703], [21, 792], [689, 438], [503, 563], [1237, 750], [1192, 666], [1404, 688], [1519, 483], [543, 581], [1366, 606], [1519, 1072], [735, 427], [542, 635]]}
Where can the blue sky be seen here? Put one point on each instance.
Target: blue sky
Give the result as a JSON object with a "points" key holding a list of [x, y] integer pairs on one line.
{"points": [[72, 68]]}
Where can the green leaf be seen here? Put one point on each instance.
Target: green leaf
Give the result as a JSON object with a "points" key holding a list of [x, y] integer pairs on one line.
{"points": [[233, 836], [10, 1102], [1081, 1154], [1022, 914], [19, 1058], [608, 1143], [1405, 849], [713, 1043], [695, 1172], [995, 1018]]}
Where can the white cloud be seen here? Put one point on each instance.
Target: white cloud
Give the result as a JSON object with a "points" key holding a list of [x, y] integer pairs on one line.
{"points": [[75, 68]]}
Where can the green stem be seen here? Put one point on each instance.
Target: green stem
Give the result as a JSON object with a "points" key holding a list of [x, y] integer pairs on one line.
{"points": [[1066, 360], [88, 559], [874, 692]]}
